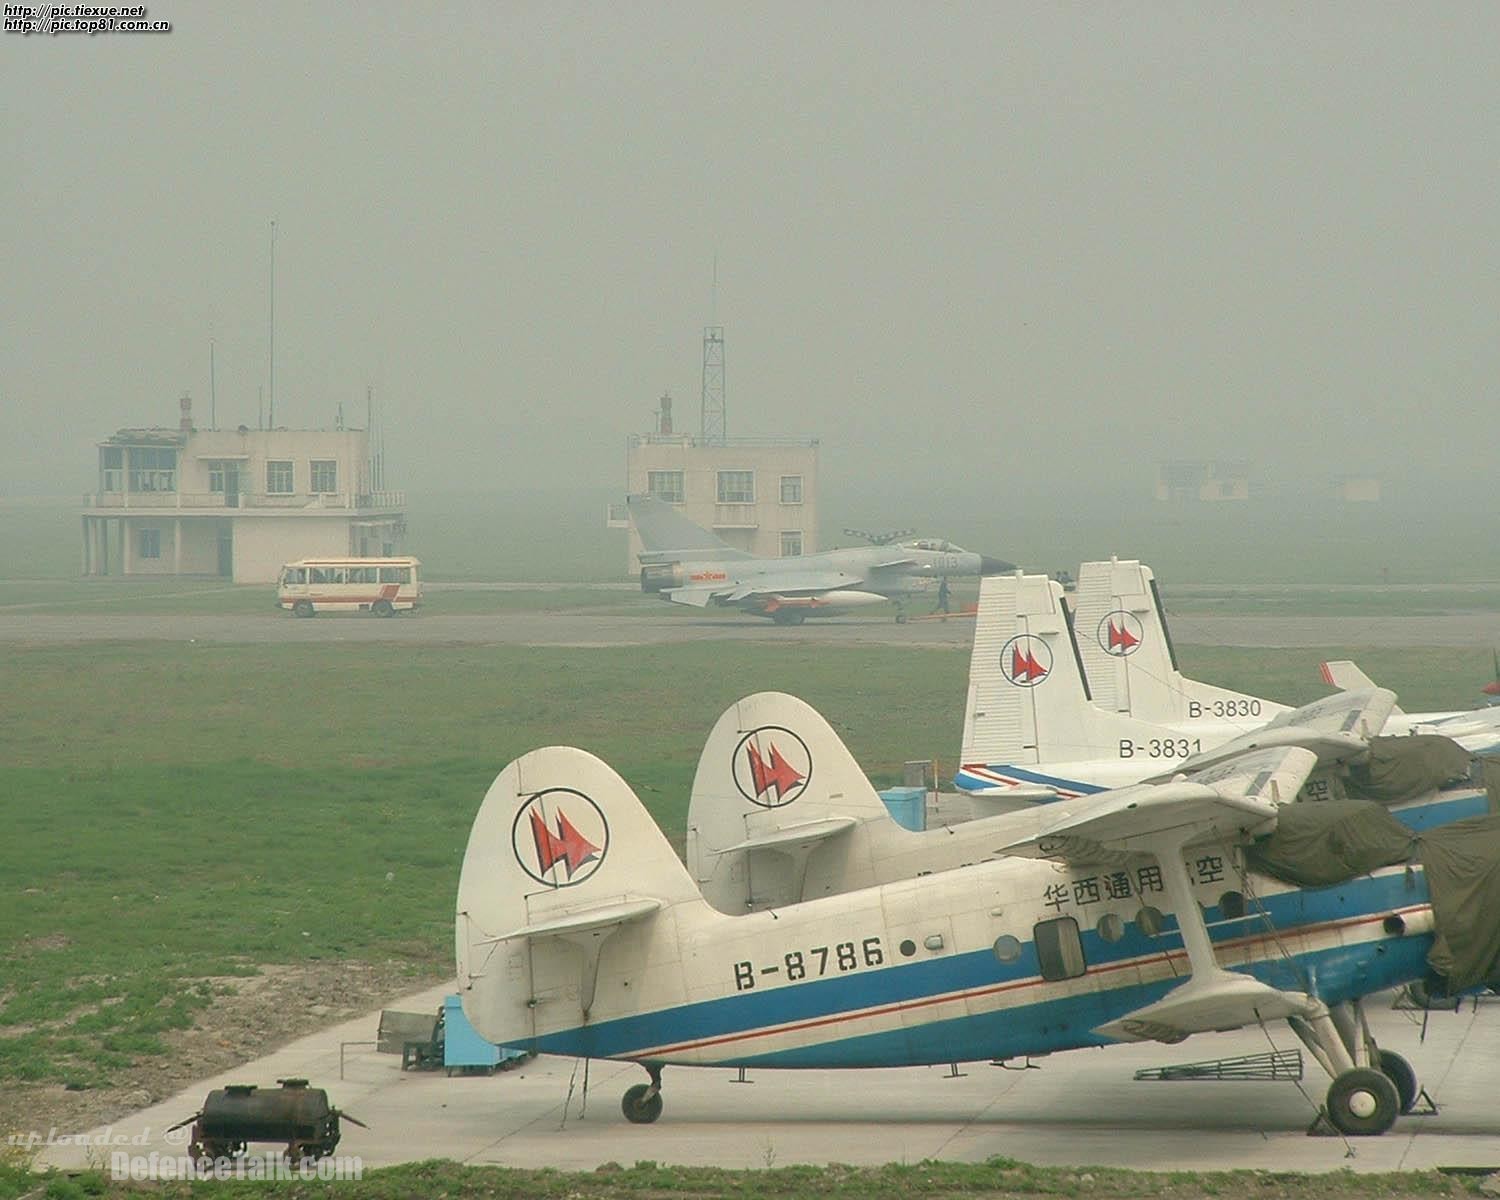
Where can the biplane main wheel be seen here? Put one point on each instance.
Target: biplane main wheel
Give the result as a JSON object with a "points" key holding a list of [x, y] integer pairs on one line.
{"points": [[1399, 1072], [1363, 1102], [637, 1108]]}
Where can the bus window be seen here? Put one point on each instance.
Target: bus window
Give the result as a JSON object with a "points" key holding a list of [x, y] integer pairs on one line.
{"points": [[395, 574], [361, 574], [295, 575], [320, 574]]}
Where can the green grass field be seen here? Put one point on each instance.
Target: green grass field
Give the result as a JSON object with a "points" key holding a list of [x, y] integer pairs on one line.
{"points": [[176, 812], [991, 1180]]}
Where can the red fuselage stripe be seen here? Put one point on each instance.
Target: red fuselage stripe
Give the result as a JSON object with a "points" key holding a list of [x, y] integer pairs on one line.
{"points": [[1170, 956]]}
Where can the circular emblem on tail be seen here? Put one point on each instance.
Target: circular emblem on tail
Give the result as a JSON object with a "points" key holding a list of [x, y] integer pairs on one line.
{"points": [[1120, 633], [772, 766], [560, 837], [1026, 660]]}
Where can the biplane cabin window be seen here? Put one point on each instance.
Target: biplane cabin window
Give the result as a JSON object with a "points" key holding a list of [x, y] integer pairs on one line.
{"points": [[1059, 949], [1007, 948]]}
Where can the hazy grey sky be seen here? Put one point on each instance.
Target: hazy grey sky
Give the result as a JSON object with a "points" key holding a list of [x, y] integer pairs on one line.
{"points": [[991, 238]]}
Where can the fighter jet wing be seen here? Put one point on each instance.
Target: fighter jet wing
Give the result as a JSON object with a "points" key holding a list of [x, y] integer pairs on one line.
{"points": [[698, 597], [802, 583]]}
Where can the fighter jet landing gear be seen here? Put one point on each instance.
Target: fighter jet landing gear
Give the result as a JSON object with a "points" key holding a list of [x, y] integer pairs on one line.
{"points": [[1371, 1087], [642, 1103]]}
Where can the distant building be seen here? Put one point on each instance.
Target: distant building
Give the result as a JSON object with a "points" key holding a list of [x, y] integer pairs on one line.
{"points": [[1357, 489], [1201, 479], [234, 503], [758, 494]]}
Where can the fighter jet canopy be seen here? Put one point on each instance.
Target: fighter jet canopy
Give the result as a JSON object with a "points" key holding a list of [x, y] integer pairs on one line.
{"points": [[940, 545]]}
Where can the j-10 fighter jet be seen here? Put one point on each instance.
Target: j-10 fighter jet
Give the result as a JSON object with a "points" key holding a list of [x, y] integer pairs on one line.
{"points": [[686, 564]]}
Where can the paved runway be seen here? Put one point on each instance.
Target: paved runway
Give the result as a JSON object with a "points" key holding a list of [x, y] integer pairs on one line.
{"points": [[582, 628], [1081, 1108]]}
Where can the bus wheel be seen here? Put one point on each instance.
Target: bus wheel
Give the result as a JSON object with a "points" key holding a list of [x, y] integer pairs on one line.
{"points": [[382, 608], [303, 608]]}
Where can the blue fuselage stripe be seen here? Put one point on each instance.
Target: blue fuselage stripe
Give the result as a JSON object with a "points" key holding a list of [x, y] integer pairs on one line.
{"points": [[1025, 1027]]}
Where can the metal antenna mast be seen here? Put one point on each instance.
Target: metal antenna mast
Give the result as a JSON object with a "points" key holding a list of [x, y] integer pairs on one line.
{"points": [[271, 411], [714, 425]]}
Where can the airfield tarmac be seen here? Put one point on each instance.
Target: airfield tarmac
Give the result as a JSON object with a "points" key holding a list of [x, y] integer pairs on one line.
{"points": [[583, 628], [1078, 1109]]}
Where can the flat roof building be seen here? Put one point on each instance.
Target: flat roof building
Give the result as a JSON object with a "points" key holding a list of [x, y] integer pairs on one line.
{"points": [[235, 503], [758, 494], [1207, 480]]}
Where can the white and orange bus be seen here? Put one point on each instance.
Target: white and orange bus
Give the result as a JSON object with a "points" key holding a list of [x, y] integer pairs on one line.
{"points": [[383, 586]]}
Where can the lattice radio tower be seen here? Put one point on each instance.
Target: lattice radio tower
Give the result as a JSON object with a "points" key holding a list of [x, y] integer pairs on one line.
{"points": [[715, 427]]}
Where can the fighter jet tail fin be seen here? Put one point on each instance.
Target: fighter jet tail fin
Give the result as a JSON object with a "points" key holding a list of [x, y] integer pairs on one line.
{"points": [[666, 533]]}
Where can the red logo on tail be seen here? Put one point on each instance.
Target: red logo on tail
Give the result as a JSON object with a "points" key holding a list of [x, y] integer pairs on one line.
{"points": [[780, 775], [771, 766], [1025, 660], [554, 848], [1120, 632], [1024, 667], [566, 846]]}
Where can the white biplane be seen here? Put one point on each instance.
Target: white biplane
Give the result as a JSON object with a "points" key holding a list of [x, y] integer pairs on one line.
{"points": [[1135, 914]]}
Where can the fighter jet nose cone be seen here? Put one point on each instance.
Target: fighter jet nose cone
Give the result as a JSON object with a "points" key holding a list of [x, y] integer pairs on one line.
{"points": [[994, 566]]}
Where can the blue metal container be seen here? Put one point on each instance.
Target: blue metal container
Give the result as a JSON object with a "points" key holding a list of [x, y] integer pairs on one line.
{"points": [[907, 806], [462, 1045]]}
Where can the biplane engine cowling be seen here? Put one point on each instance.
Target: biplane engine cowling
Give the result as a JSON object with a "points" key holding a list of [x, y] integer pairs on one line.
{"points": [[658, 577]]}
